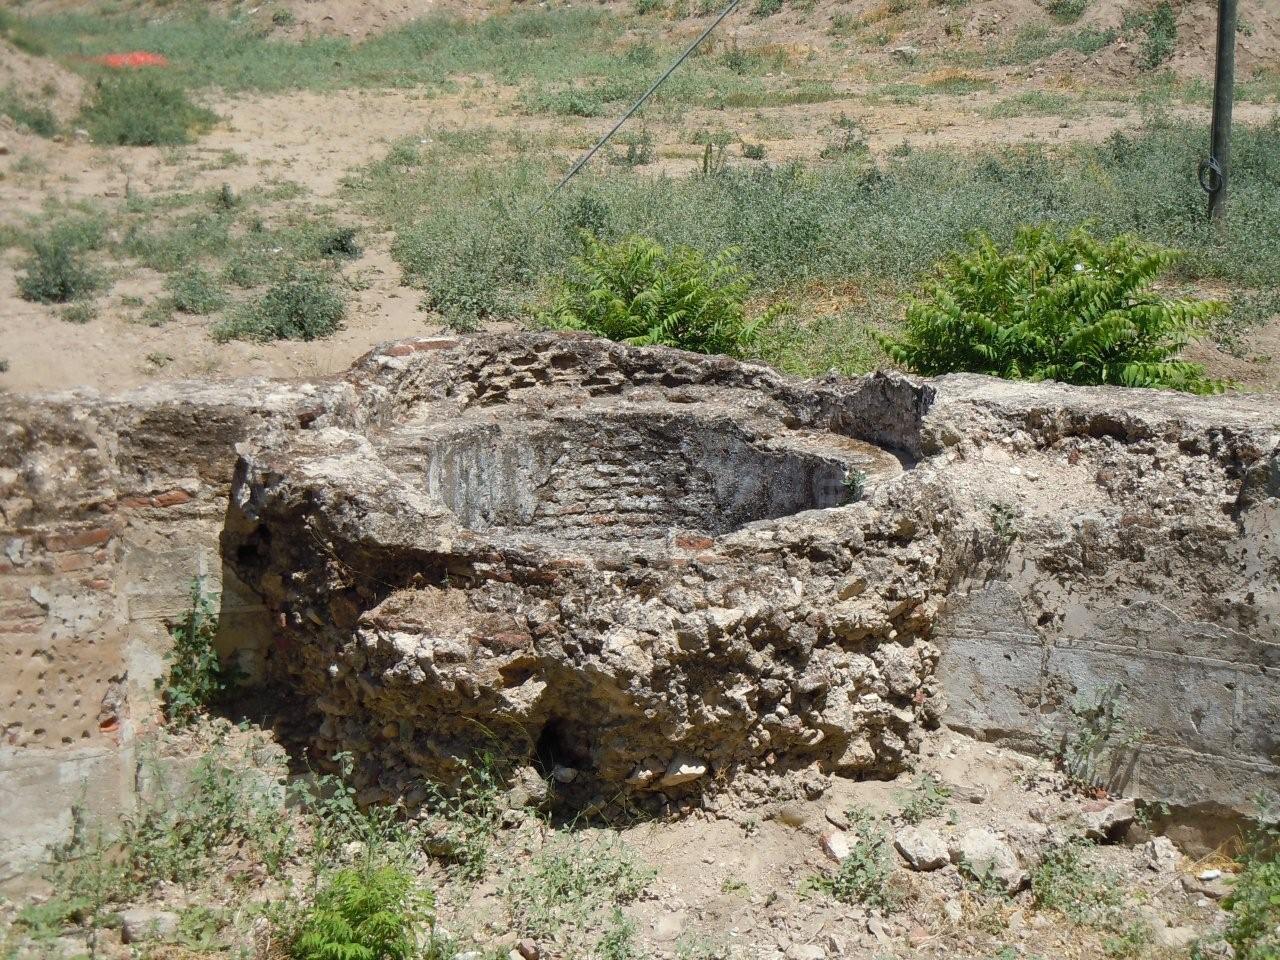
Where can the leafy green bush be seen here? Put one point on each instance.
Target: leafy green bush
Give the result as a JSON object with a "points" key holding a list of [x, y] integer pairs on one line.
{"points": [[1254, 901], [141, 110], [373, 913], [1073, 309], [1160, 33], [197, 677], [303, 306], [56, 272], [640, 293]]}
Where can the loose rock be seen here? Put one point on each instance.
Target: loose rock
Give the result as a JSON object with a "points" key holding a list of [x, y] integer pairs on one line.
{"points": [[143, 923], [922, 848], [985, 856]]}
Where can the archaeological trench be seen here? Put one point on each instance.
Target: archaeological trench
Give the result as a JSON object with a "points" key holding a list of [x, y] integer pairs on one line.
{"points": [[656, 578]]}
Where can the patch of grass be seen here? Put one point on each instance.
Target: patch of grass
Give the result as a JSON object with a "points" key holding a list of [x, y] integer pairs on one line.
{"points": [[1032, 103], [57, 272], [1036, 42], [464, 234], [566, 884], [1066, 883], [302, 306], [196, 291], [141, 110], [1068, 11], [80, 313], [36, 117], [863, 877], [1159, 32]]}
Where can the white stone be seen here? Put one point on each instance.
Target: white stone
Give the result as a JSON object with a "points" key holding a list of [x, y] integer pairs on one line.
{"points": [[985, 856], [144, 923], [922, 848], [682, 770], [835, 844]]}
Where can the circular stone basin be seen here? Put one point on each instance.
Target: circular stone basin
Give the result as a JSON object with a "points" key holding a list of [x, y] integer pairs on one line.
{"points": [[633, 476]]}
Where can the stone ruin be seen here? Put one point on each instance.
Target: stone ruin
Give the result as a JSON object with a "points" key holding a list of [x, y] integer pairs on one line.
{"points": [[659, 579]]}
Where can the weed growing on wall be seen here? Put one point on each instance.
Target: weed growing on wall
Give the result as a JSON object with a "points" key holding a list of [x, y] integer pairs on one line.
{"points": [[197, 677]]}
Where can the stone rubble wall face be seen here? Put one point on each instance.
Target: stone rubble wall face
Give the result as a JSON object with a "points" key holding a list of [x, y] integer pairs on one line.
{"points": [[1146, 551]]}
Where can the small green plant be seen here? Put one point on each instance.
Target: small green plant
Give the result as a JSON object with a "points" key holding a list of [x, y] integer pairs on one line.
{"points": [[372, 913], [197, 677], [566, 883], [1066, 883], [1068, 11], [336, 819], [639, 150], [80, 313], [1254, 928], [1074, 309], [854, 482], [864, 875], [927, 800], [1160, 34], [640, 293], [844, 139], [36, 117], [753, 151], [302, 306], [767, 8], [138, 109], [463, 820], [619, 939], [1093, 748], [283, 18], [196, 291], [56, 272], [340, 243]]}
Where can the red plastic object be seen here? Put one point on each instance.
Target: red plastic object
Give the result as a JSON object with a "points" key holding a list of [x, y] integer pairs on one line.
{"points": [[133, 60]]}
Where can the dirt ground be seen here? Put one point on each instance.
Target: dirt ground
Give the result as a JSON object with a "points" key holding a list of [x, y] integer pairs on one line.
{"points": [[314, 140]]}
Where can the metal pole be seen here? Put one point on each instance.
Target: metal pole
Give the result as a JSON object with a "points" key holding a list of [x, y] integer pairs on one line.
{"points": [[1215, 172]]}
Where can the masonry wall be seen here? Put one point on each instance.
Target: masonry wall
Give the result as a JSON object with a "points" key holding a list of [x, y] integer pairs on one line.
{"points": [[109, 510]]}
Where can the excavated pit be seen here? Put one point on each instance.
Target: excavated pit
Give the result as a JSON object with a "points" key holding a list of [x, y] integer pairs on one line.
{"points": [[601, 477]]}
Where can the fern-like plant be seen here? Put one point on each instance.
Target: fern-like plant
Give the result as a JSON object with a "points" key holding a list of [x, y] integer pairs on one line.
{"points": [[638, 292], [1074, 309], [370, 913]]}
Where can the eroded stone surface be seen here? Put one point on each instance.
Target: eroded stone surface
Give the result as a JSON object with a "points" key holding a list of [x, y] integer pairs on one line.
{"points": [[645, 567]]}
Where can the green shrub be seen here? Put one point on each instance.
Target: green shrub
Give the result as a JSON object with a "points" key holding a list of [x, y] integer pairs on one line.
{"points": [[56, 272], [303, 306], [141, 110], [1073, 309], [80, 312], [640, 293], [196, 292], [374, 913], [196, 677], [1254, 901]]}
